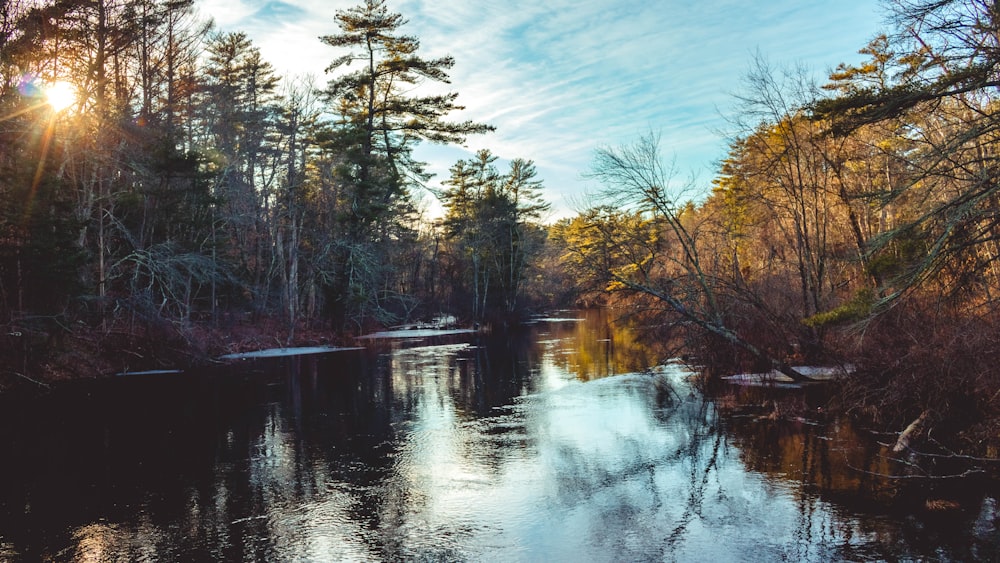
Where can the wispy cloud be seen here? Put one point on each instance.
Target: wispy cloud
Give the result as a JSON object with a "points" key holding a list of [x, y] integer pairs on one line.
{"points": [[560, 78]]}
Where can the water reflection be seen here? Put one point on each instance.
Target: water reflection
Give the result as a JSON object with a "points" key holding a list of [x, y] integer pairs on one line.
{"points": [[451, 448], [590, 345]]}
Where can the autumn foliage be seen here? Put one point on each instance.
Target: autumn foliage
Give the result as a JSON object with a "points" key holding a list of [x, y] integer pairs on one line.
{"points": [[187, 192], [853, 223]]}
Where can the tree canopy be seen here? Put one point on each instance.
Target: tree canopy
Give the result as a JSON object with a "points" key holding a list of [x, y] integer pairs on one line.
{"points": [[186, 187]]}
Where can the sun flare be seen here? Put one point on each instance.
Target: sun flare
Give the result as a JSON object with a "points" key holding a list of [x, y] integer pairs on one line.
{"points": [[60, 95]]}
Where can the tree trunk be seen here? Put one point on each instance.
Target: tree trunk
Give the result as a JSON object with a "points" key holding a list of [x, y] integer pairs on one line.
{"points": [[717, 329]]}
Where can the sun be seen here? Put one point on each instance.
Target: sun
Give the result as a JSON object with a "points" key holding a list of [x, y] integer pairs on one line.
{"points": [[60, 95]]}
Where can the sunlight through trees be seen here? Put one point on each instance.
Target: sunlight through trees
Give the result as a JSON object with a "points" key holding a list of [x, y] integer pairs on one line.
{"points": [[60, 95], [163, 188]]}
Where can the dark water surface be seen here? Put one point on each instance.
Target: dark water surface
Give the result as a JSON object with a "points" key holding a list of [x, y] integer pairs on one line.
{"points": [[458, 448]]}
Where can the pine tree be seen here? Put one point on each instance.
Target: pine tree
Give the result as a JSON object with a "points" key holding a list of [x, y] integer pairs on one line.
{"points": [[380, 121], [383, 121], [489, 216]]}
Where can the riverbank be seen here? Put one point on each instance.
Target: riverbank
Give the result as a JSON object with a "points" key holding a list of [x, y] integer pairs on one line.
{"points": [[505, 448], [44, 356]]}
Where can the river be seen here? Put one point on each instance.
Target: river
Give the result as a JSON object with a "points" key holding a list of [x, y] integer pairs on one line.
{"points": [[552, 444]]}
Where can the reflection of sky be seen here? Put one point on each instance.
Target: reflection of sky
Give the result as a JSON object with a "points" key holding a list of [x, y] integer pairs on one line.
{"points": [[590, 471], [550, 376], [614, 469]]}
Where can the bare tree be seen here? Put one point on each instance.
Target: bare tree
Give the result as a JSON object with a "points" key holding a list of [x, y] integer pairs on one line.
{"points": [[635, 177]]}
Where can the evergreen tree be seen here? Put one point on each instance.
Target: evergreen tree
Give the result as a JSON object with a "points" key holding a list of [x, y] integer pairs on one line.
{"points": [[489, 217], [379, 122]]}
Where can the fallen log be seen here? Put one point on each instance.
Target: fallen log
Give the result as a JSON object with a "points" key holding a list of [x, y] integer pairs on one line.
{"points": [[717, 328]]}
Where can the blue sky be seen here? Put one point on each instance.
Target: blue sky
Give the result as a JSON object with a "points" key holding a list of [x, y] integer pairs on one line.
{"points": [[561, 78]]}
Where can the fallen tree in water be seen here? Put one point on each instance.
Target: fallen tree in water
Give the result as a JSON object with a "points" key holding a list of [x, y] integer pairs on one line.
{"points": [[716, 328], [661, 257]]}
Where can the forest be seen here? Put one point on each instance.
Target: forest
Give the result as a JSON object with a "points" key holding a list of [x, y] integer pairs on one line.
{"points": [[167, 197]]}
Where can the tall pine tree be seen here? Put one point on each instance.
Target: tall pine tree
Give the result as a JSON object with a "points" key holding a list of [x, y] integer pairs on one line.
{"points": [[380, 120]]}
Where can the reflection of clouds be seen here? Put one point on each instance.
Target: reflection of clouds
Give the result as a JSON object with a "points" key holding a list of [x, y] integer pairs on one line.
{"points": [[594, 472], [404, 462], [599, 471], [576, 478]]}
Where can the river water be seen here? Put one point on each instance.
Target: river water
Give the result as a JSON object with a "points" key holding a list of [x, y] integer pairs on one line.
{"points": [[547, 445]]}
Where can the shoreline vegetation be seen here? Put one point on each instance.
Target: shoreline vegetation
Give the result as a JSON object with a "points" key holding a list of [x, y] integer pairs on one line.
{"points": [[87, 356], [167, 198]]}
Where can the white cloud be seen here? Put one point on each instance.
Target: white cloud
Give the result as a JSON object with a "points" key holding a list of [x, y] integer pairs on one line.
{"points": [[560, 78], [226, 13]]}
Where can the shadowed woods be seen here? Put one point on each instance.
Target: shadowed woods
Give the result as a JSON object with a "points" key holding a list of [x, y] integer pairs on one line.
{"points": [[168, 198]]}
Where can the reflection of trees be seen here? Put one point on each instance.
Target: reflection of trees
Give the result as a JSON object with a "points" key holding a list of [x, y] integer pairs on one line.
{"points": [[828, 456], [702, 459], [831, 463], [600, 345], [223, 467], [417, 450]]}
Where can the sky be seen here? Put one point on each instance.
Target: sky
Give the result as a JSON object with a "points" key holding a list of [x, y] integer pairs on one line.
{"points": [[560, 79]]}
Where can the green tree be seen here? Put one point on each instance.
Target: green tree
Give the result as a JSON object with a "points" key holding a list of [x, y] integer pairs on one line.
{"points": [[380, 120], [602, 241], [490, 216], [936, 78]]}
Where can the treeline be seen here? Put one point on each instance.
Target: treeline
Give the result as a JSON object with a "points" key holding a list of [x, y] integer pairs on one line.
{"points": [[188, 186], [855, 222]]}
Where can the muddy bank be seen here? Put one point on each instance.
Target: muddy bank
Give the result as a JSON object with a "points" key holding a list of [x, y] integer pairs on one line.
{"points": [[40, 356]]}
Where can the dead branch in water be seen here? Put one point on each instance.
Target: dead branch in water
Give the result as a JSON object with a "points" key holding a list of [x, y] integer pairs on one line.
{"points": [[962, 475], [35, 381], [907, 436], [946, 456]]}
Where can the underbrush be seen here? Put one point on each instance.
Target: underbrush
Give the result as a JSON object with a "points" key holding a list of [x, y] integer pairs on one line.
{"points": [[915, 361], [918, 360], [42, 352]]}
